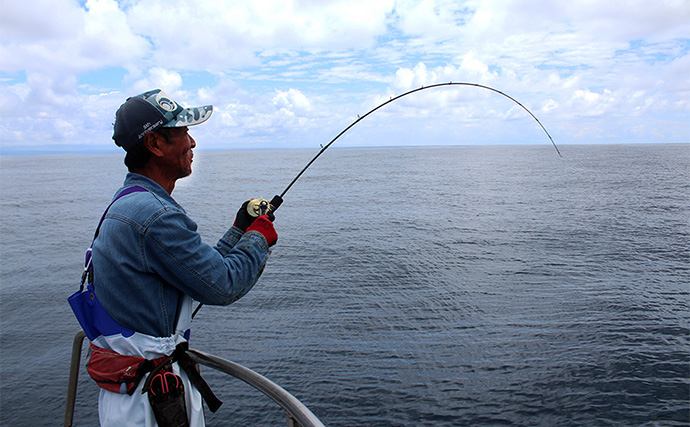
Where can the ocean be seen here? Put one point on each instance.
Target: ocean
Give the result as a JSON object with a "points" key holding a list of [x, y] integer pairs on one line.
{"points": [[425, 286]]}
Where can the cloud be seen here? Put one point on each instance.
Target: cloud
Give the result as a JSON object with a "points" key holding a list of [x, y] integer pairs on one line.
{"points": [[293, 72], [590, 20], [439, 19], [292, 99], [35, 21], [217, 35], [80, 40], [158, 77]]}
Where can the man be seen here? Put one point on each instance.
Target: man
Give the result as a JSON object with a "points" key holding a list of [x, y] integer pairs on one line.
{"points": [[149, 263]]}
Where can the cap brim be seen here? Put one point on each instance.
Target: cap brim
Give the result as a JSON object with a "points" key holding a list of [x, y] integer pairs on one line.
{"points": [[190, 117]]}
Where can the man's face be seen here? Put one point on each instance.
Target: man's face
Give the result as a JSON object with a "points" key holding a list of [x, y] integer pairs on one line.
{"points": [[178, 151]]}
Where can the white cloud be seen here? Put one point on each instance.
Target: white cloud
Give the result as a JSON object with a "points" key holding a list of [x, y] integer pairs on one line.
{"points": [[167, 80], [592, 20], [430, 18], [216, 35], [108, 39], [66, 37], [677, 75], [292, 99], [293, 71], [35, 21]]}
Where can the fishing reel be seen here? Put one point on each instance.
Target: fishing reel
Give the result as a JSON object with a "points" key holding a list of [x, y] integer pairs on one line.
{"points": [[258, 207], [261, 206]]}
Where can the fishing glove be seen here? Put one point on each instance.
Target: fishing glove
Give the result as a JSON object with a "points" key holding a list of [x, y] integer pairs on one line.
{"points": [[243, 219], [264, 226]]}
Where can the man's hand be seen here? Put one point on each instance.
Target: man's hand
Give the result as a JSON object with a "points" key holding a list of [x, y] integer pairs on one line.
{"points": [[264, 226], [243, 219]]}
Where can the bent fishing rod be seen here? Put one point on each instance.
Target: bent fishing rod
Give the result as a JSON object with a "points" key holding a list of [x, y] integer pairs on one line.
{"points": [[360, 118], [258, 207], [261, 206]]}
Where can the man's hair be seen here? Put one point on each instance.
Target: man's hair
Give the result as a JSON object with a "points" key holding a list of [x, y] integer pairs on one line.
{"points": [[138, 156]]}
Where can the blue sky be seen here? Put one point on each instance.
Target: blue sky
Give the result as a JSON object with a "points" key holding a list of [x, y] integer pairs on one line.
{"points": [[295, 73]]}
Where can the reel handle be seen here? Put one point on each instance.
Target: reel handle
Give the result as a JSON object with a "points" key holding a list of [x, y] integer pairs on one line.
{"points": [[260, 206]]}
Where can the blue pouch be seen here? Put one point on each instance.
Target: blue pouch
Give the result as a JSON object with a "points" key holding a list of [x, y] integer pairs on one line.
{"points": [[92, 317]]}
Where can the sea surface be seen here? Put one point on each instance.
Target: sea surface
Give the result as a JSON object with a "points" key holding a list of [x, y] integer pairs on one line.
{"points": [[420, 286]]}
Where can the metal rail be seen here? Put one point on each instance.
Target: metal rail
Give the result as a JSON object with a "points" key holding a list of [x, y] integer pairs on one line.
{"points": [[297, 414], [73, 377], [294, 408]]}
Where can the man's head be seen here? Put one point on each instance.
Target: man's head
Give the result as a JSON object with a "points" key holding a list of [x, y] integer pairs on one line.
{"points": [[151, 111], [147, 125]]}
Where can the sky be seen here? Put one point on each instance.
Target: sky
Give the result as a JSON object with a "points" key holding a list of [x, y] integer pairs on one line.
{"points": [[294, 73]]}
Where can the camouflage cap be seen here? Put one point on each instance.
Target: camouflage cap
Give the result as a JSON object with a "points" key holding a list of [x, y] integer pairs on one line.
{"points": [[151, 111]]}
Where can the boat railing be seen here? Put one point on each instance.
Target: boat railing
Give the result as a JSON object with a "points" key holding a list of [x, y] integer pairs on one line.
{"points": [[297, 413]]}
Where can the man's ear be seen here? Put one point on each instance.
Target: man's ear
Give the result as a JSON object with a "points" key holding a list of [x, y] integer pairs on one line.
{"points": [[153, 141]]}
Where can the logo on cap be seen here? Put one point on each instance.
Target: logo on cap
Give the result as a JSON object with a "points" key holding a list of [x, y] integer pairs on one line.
{"points": [[165, 102]]}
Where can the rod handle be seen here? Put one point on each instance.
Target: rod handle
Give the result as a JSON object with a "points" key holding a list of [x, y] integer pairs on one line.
{"points": [[275, 202]]}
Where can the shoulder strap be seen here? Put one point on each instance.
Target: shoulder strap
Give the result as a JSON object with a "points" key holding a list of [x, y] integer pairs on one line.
{"points": [[87, 262], [126, 191]]}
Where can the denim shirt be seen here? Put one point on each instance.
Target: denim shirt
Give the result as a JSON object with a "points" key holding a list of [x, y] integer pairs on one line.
{"points": [[148, 255]]}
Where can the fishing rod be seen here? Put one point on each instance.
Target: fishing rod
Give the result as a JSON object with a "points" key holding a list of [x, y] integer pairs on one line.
{"points": [[258, 207], [360, 118], [262, 206]]}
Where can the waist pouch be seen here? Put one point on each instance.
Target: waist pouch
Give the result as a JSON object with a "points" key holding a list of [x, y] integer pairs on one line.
{"points": [[117, 373]]}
